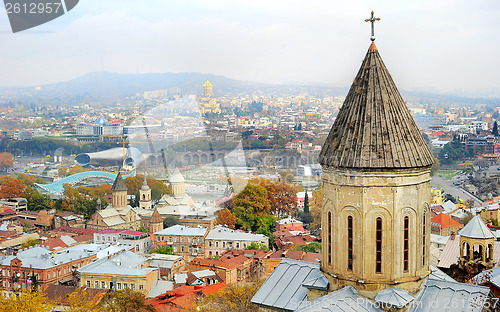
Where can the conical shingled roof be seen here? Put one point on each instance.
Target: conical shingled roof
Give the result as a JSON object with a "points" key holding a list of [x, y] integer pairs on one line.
{"points": [[476, 228], [374, 128], [119, 184]]}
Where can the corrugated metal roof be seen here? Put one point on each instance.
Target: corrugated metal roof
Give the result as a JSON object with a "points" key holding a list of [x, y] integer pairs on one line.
{"points": [[476, 229], [445, 296], [124, 263], [320, 282], [437, 274], [224, 233], [41, 258], [394, 297], [283, 289], [160, 287], [177, 230], [345, 299]]}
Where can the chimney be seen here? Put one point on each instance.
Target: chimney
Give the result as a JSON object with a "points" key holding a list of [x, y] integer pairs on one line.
{"points": [[452, 236]]}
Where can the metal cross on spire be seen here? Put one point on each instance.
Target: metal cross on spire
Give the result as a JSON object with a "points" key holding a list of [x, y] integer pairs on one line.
{"points": [[372, 20]]}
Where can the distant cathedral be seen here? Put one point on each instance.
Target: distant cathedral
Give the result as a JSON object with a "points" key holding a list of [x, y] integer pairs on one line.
{"points": [[207, 103], [120, 215]]}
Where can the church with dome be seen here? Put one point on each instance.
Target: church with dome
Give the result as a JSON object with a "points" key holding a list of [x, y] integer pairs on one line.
{"points": [[375, 215]]}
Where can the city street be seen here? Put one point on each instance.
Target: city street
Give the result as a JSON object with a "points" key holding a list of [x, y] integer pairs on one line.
{"points": [[448, 187]]}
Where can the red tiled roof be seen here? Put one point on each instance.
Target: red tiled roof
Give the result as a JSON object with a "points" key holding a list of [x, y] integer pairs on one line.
{"points": [[294, 254], [311, 257], [213, 289], [444, 221]]}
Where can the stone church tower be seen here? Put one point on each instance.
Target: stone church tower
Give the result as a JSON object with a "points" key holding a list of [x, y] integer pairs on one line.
{"points": [[119, 191], [145, 195], [376, 189]]}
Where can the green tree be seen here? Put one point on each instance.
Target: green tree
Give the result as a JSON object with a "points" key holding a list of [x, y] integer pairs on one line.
{"points": [[495, 129], [164, 250], [170, 221], [143, 229], [312, 247], [257, 246], [306, 203], [36, 200]]}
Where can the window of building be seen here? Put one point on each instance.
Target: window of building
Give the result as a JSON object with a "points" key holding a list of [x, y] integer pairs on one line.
{"points": [[132, 286], [406, 243], [157, 238], [349, 243], [114, 239], [96, 284], [237, 245], [423, 239], [378, 245], [329, 235], [23, 275], [170, 238], [216, 244], [190, 249], [175, 239], [125, 285], [175, 248], [136, 248], [88, 284], [223, 244], [109, 238], [103, 285], [119, 286], [162, 238], [141, 287], [182, 248], [209, 244]]}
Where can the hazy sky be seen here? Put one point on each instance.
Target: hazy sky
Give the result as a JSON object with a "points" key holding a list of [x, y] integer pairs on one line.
{"points": [[426, 44]]}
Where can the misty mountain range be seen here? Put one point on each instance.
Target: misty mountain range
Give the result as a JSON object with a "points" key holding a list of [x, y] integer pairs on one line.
{"points": [[109, 87]]}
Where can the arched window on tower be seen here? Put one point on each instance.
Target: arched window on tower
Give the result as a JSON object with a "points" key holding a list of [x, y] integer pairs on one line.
{"points": [[329, 232], [423, 239], [378, 244], [406, 243], [349, 243]]}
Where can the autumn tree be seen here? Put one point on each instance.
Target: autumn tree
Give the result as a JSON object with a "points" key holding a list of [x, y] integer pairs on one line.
{"points": [[232, 298], [6, 161], [11, 187], [83, 301], [28, 180], [227, 218], [253, 199], [26, 301], [125, 301]]}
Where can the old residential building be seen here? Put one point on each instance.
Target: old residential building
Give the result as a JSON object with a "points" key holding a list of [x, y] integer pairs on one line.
{"points": [[48, 267], [221, 238], [120, 271], [185, 241]]}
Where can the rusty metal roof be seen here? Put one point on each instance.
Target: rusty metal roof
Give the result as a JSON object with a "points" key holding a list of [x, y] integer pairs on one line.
{"points": [[374, 128]]}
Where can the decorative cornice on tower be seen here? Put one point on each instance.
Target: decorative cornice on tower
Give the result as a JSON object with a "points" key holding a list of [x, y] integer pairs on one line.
{"points": [[374, 129]]}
